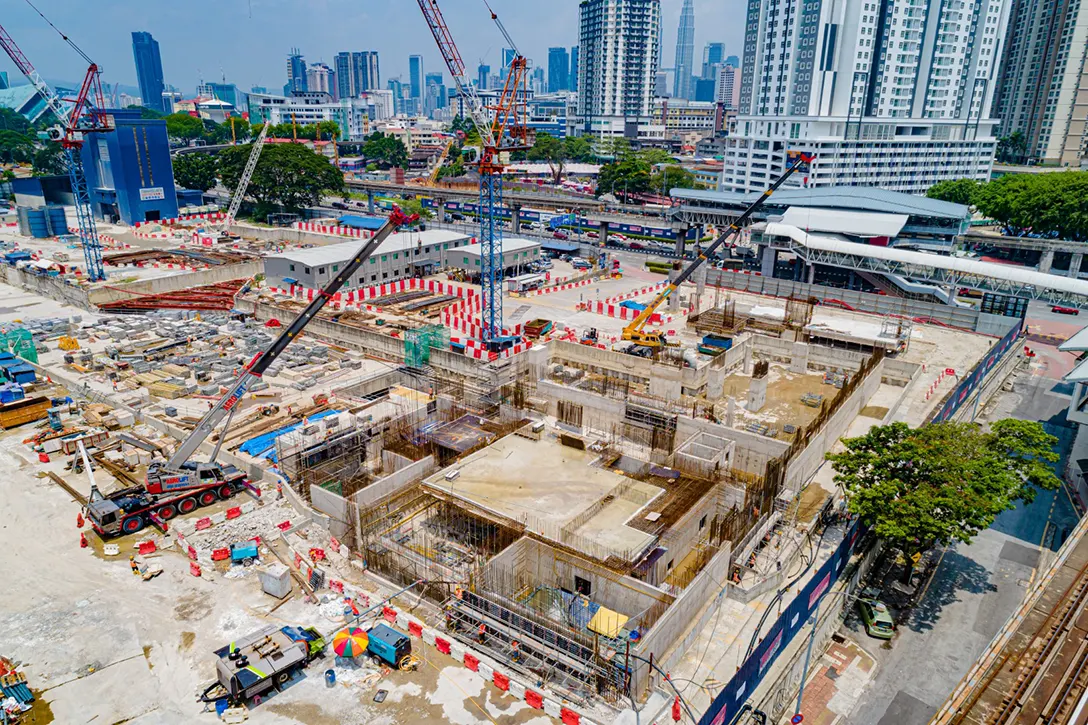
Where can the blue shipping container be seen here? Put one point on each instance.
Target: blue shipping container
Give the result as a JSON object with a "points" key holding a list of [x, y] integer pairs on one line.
{"points": [[715, 341]]}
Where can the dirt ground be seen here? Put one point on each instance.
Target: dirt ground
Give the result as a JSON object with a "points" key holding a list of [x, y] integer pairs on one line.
{"points": [[783, 398], [99, 645]]}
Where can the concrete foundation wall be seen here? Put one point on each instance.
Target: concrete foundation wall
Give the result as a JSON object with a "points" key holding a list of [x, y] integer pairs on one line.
{"points": [[395, 482], [752, 451], [804, 464], [335, 507], [52, 287], [372, 343], [173, 283]]}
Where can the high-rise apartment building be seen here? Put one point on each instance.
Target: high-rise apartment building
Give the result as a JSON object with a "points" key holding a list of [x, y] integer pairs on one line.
{"points": [[713, 56], [685, 51], [1038, 89], [415, 76], [727, 86], [397, 89], [894, 94], [482, 73], [296, 73], [365, 71], [145, 52], [319, 78], [574, 68], [618, 47], [558, 70]]}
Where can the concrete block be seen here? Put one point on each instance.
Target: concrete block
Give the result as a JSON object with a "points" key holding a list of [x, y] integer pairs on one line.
{"points": [[517, 689], [552, 707], [486, 671], [429, 636], [757, 394], [799, 359], [219, 517]]}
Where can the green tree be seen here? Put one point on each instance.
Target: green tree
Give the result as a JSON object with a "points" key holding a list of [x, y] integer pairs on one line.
{"points": [[328, 130], [578, 149], [672, 177], [958, 191], [15, 148], [194, 171], [1012, 148], [452, 170], [388, 151], [14, 121], [944, 482], [654, 156], [48, 160], [242, 128], [145, 112], [615, 148], [288, 175], [415, 206], [184, 127], [625, 177], [550, 149], [1053, 204]]}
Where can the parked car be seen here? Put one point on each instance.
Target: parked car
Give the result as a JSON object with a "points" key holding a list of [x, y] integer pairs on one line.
{"points": [[636, 245], [617, 237], [457, 216], [339, 205], [558, 234], [1065, 310], [579, 263], [593, 235], [876, 618]]}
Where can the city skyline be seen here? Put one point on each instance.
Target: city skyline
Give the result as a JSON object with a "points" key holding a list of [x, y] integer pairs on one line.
{"points": [[252, 51]]}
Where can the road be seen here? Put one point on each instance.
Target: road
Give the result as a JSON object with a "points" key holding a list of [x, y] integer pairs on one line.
{"points": [[975, 586]]}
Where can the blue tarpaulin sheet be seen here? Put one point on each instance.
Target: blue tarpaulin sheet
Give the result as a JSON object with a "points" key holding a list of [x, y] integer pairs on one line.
{"points": [[632, 305], [373, 223], [264, 446]]}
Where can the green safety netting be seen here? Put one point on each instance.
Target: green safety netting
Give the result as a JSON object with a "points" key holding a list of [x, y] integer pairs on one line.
{"points": [[418, 344], [20, 343]]}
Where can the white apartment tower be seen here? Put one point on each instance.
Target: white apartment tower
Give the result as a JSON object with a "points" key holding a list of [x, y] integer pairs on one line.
{"points": [[888, 93], [617, 60]]}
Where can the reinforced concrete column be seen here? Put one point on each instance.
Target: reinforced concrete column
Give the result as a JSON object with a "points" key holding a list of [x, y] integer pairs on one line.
{"points": [[681, 240], [768, 256], [1046, 261], [1074, 265], [369, 201], [812, 274], [440, 209], [515, 217]]}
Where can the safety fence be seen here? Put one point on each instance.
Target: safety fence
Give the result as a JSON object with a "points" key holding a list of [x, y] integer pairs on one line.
{"points": [[730, 701], [952, 402]]}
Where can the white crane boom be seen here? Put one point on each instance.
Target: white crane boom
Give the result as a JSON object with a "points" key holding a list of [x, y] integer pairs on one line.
{"points": [[247, 174]]}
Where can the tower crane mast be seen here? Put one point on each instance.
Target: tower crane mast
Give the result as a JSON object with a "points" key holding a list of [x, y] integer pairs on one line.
{"points": [[85, 115], [503, 133]]}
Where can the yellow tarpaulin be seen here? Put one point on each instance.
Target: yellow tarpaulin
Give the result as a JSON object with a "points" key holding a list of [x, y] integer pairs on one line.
{"points": [[607, 623]]}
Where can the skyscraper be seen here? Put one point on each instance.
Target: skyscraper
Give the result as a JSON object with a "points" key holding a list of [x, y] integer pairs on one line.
{"points": [[397, 88], [618, 42], [482, 72], [435, 94], [145, 52], [538, 83], [3, 79], [1042, 69], [507, 58], [733, 61], [558, 70], [713, 55], [345, 78], [319, 78], [296, 73], [898, 99], [685, 51], [365, 71], [573, 79], [727, 86], [415, 75]]}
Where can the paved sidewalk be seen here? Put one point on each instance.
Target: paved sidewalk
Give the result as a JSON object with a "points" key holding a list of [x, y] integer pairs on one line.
{"points": [[836, 683]]}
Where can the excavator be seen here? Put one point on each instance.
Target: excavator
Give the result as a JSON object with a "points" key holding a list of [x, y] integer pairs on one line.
{"points": [[653, 341], [180, 485]]}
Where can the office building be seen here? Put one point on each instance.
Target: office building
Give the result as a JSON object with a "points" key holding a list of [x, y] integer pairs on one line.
{"points": [[435, 93], [311, 107], [296, 73], [727, 86], [366, 73], [685, 51], [508, 55], [574, 68], [345, 77], [703, 89], [482, 73], [681, 116], [618, 42], [713, 56], [1041, 76], [536, 80], [558, 70], [899, 98], [398, 90], [145, 52], [733, 61], [24, 100], [3, 79], [129, 173], [415, 76]]}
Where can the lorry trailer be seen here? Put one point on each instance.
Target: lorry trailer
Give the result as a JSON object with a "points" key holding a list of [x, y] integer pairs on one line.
{"points": [[262, 660]]}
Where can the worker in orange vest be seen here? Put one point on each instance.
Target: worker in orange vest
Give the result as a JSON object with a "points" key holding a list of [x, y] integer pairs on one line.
{"points": [[482, 633], [516, 655], [134, 566]]}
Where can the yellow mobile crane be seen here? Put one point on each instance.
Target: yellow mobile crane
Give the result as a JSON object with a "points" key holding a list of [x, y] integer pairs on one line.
{"points": [[655, 340]]}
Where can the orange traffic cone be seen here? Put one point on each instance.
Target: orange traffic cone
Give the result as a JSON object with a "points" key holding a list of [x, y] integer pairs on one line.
{"points": [[79, 520], [83, 541]]}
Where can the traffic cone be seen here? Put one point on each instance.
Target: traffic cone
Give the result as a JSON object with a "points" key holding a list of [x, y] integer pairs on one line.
{"points": [[83, 541], [79, 520]]}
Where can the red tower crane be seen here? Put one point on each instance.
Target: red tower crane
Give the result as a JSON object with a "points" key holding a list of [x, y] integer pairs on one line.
{"points": [[503, 132]]}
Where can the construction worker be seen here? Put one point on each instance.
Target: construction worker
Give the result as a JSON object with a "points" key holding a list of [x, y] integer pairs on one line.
{"points": [[482, 633], [516, 654], [135, 567]]}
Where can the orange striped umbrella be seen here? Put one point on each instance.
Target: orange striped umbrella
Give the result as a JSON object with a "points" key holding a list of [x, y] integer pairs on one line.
{"points": [[350, 642]]}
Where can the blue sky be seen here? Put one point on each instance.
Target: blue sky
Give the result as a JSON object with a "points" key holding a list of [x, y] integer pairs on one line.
{"points": [[209, 38]]}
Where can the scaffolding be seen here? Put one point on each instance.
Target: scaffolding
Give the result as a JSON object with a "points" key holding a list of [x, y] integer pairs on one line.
{"points": [[418, 344]]}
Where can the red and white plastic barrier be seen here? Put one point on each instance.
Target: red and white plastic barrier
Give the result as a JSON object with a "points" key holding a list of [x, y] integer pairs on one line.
{"points": [[337, 230]]}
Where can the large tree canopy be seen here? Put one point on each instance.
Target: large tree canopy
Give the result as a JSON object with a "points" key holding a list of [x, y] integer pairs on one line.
{"points": [[195, 171], [184, 127], [388, 151], [288, 175], [1045, 205], [632, 176], [944, 482]]}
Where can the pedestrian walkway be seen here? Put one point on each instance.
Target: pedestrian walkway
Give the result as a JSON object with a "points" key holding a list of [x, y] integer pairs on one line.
{"points": [[836, 683]]}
